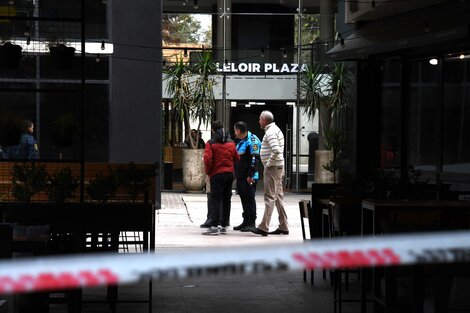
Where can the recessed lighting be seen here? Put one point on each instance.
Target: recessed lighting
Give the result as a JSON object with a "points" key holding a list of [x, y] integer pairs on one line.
{"points": [[462, 56], [433, 61]]}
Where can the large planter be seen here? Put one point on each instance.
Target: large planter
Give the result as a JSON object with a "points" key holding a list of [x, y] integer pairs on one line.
{"points": [[323, 157], [194, 177]]}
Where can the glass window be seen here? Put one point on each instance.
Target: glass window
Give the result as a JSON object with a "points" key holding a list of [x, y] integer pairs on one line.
{"points": [[423, 99], [456, 131], [390, 139]]}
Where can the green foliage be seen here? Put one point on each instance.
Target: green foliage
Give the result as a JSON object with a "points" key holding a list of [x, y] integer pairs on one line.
{"points": [[192, 91], [28, 179], [61, 185], [325, 88], [333, 141], [134, 180], [310, 33], [180, 28], [179, 88], [102, 187]]}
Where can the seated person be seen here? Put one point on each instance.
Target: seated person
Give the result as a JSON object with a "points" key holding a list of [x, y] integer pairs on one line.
{"points": [[196, 138]]}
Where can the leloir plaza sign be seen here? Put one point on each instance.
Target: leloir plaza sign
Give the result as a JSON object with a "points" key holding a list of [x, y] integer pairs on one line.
{"points": [[264, 68]]}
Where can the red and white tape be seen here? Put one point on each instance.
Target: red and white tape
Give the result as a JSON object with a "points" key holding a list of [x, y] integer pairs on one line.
{"points": [[50, 273]]}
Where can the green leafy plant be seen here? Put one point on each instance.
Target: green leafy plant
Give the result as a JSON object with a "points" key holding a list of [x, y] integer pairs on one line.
{"points": [[61, 185], [191, 87], [28, 179], [325, 88], [102, 187], [134, 180], [333, 141]]}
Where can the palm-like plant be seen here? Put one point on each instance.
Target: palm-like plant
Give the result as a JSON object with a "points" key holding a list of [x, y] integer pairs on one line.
{"points": [[203, 89], [327, 89], [178, 87], [192, 90]]}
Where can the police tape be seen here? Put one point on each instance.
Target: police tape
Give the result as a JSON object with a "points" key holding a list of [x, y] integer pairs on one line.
{"points": [[52, 273]]}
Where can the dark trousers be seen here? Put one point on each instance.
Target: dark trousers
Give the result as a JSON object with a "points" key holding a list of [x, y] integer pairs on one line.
{"points": [[247, 196], [219, 200]]}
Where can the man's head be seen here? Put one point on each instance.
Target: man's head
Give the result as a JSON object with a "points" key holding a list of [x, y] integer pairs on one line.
{"points": [[265, 118], [193, 133], [28, 126], [240, 129]]}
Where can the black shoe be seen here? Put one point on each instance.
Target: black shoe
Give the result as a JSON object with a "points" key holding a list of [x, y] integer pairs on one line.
{"points": [[279, 232], [207, 223], [258, 231], [239, 227], [248, 228]]}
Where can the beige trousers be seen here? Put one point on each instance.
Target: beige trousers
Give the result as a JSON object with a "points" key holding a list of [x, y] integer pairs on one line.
{"points": [[273, 197]]}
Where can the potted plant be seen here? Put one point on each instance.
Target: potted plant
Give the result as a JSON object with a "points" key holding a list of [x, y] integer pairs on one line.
{"points": [[192, 90], [135, 180], [62, 55], [10, 55], [325, 88], [28, 179], [61, 185], [102, 187]]}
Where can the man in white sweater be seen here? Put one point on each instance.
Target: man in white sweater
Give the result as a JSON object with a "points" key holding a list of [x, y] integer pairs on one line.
{"points": [[272, 149]]}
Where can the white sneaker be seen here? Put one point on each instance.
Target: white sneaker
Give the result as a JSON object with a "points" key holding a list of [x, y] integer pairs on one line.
{"points": [[213, 230]]}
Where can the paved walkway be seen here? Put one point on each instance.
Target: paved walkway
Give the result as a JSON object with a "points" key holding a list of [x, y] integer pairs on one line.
{"points": [[177, 227], [177, 223]]}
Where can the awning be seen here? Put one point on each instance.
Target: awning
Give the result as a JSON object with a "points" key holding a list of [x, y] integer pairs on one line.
{"points": [[431, 26]]}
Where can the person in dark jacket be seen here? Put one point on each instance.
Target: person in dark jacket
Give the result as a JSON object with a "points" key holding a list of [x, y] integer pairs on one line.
{"points": [[220, 155], [196, 138], [246, 172], [28, 148]]}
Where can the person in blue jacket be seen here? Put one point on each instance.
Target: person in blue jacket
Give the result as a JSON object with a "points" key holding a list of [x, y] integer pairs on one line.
{"points": [[28, 147], [247, 174]]}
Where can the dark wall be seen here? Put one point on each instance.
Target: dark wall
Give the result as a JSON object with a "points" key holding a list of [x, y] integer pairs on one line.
{"points": [[135, 113]]}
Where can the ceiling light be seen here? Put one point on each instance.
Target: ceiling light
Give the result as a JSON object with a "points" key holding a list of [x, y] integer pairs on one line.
{"points": [[433, 61]]}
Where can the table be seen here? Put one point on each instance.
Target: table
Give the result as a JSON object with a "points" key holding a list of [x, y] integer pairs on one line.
{"points": [[442, 214]]}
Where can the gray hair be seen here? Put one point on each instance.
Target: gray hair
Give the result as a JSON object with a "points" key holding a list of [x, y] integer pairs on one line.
{"points": [[267, 116]]}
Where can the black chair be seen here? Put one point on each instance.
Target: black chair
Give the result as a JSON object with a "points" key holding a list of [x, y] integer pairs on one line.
{"points": [[345, 216], [305, 214]]}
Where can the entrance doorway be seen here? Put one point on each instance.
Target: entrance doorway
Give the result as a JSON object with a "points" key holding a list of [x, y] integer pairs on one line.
{"points": [[283, 117]]}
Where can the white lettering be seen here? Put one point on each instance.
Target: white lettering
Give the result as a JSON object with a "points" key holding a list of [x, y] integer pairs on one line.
{"points": [[256, 67], [234, 69], [243, 67], [275, 69], [285, 68]]}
